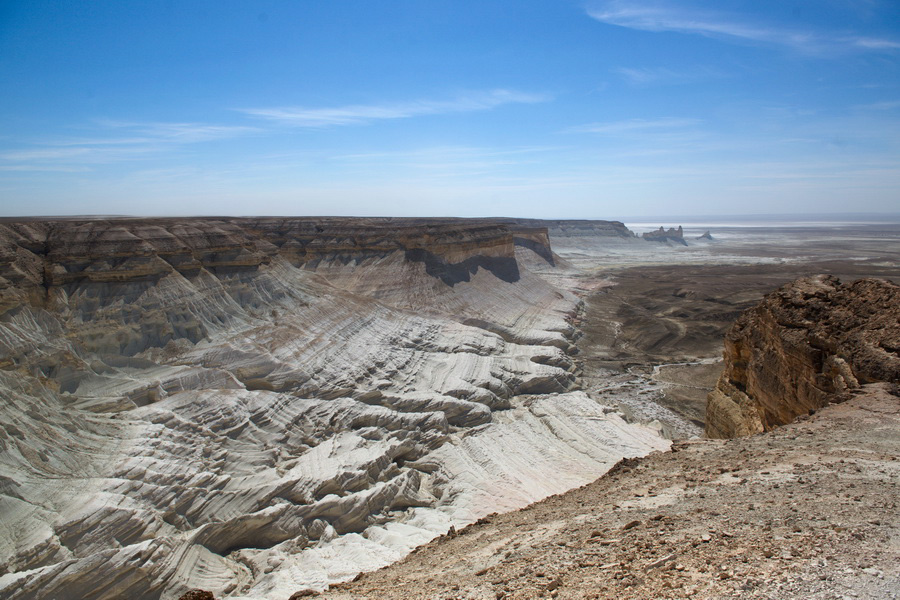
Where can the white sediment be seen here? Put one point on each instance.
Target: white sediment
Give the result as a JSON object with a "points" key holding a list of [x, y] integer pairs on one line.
{"points": [[319, 424]]}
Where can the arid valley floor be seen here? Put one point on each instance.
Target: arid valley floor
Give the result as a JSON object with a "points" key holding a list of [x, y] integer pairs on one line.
{"points": [[264, 408]]}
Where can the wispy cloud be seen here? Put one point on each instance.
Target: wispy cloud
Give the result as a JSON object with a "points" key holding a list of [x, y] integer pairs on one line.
{"points": [[113, 141], [46, 168], [451, 161], [873, 43], [659, 17], [299, 116], [634, 125], [44, 154], [666, 76], [889, 105], [182, 133]]}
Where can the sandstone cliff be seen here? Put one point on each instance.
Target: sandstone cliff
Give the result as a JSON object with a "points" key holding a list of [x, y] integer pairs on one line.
{"points": [[804, 345]]}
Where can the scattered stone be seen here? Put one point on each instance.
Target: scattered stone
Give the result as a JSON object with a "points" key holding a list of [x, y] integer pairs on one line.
{"points": [[197, 594], [661, 561]]}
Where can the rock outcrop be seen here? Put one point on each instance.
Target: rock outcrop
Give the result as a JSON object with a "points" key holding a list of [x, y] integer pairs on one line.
{"points": [[251, 406], [663, 235], [807, 344]]}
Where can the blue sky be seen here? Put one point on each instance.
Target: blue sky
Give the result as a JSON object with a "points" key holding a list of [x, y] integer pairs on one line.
{"points": [[470, 108]]}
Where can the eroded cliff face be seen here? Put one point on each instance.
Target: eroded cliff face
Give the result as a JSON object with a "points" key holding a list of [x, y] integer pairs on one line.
{"points": [[809, 343], [665, 236], [252, 405]]}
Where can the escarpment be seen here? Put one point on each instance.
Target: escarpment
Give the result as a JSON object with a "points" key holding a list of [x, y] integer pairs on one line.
{"points": [[251, 405], [809, 343], [577, 227]]}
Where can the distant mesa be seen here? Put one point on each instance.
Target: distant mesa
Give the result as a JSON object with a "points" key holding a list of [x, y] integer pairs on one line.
{"points": [[663, 235], [577, 227], [706, 236]]}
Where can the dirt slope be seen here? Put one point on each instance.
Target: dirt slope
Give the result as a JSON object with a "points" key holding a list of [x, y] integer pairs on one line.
{"points": [[806, 511]]}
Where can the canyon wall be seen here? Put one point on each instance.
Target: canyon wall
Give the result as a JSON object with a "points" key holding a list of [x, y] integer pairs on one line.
{"points": [[809, 343], [250, 406]]}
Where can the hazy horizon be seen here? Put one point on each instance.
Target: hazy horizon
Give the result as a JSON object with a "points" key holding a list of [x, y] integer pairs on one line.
{"points": [[687, 220], [585, 109]]}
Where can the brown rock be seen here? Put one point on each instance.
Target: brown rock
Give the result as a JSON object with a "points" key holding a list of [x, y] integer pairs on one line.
{"points": [[805, 345], [197, 595]]}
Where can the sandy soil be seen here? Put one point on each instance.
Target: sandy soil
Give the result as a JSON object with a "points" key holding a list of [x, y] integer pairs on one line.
{"points": [[807, 511]]}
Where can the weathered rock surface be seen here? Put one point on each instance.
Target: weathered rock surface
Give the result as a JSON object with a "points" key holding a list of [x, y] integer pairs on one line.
{"points": [[807, 511], [666, 235], [806, 344], [252, 406]]}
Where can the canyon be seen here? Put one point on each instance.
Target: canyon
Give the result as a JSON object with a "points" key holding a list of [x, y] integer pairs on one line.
{"points": [[805, 508], [249, 405], [260, 406]]}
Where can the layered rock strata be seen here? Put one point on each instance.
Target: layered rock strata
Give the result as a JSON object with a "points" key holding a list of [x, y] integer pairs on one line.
{"points": [[247, 405], [806, 344], [578, 227]]}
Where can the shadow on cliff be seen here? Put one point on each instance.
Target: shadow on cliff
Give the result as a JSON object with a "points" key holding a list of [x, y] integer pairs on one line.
{"points": [[541, 250], [504, 268]]}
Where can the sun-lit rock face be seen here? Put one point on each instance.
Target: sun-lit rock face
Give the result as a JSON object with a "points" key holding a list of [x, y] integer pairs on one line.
{"points": [[802, 346], [243, 405]]}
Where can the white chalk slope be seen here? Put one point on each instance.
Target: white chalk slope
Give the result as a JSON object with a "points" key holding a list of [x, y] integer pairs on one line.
{"points": [[297, 428]]}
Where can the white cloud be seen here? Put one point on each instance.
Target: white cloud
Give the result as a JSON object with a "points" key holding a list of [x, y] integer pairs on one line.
{"points": [[889, 105], [184, 133], [659, 17], [647, 75], [44, 154], [299, 116], [874, 43], [109, 145], [662, 75], [26, 168]]}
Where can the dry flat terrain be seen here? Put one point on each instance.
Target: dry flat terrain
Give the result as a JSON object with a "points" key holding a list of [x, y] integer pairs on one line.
{"points": [[659, 316], [806, 511]]}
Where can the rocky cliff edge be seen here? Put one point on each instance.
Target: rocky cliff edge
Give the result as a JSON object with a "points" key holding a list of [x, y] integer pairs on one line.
{"points": [[811, 342]]}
